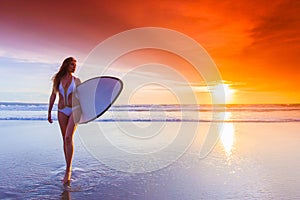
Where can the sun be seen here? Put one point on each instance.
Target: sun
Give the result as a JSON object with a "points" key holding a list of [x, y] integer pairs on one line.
{"points": [[221, 91], [229, 93]]}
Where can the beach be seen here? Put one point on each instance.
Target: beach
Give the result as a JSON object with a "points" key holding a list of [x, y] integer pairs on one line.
{"points": [[260, 161], [175, 100]]}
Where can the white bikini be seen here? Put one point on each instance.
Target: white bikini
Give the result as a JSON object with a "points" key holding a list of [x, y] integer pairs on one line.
{"points": [[65, 94]]}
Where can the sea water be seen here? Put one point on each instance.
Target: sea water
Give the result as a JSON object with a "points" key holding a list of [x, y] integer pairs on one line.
{"points": [[238, 113], [256, 156]]}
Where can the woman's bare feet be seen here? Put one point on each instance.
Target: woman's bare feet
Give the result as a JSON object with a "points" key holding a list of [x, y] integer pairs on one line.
{"points": [[67, 178]]}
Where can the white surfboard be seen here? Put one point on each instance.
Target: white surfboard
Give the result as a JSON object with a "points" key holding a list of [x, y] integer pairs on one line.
{"points": [[96, 95]]}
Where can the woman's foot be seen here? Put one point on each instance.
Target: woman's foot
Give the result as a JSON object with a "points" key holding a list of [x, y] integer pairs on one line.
{"points": [[67, 178]]}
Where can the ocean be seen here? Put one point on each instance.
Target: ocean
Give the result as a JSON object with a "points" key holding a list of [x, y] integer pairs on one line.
{"points": [[154, 152], [171, 113]]}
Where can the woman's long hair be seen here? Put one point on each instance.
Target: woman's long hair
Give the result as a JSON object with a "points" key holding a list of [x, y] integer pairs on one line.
{"points": [[63, 70]]}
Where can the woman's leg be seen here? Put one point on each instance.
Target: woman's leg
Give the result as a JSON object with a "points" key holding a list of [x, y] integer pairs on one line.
{"points": [[63, 122], [71, 127]]}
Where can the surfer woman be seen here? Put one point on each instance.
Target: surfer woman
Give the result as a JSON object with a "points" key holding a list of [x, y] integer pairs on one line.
{"points": [[64, 83]]}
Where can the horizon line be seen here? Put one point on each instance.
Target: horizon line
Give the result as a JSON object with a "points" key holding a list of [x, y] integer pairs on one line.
{"points": [[18, 102]]}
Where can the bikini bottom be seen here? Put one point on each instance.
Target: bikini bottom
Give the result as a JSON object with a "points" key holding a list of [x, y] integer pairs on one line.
{"points": [[68, 110]]}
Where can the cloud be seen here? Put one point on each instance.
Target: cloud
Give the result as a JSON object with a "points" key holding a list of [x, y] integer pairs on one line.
{"points": [[279, 26], [254, 42], [26, 56]]}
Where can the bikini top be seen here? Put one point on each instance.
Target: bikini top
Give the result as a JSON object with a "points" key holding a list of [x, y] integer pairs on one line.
{"points": [[65, 92]]}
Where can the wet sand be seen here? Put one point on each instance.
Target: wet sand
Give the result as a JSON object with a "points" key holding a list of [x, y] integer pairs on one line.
{"points": [[253, 161]]}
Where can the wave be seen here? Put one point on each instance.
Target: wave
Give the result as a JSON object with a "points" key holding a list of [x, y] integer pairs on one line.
{"points": [[267, 113], [24, 107], [162, 120], [10, 106]]}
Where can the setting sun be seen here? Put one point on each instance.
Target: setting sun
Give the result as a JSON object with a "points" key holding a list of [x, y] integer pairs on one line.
{"points": [[229, 93], [221, 91]]}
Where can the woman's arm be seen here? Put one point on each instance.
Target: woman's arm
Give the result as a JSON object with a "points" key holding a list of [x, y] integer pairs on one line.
{"points": [[51, 102], [77, 81]]}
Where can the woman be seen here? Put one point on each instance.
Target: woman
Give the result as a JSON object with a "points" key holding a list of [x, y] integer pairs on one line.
{"points": [[64, 83]]}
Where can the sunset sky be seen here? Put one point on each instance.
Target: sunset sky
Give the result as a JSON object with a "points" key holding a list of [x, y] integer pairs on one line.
{"points": [[255, 44]]}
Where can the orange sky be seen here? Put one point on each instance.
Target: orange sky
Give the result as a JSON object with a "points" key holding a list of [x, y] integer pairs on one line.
{"points": [[255, 44]]}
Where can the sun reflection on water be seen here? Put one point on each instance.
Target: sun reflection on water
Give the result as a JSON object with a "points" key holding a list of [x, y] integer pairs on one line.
{"points": [[227, 135]]}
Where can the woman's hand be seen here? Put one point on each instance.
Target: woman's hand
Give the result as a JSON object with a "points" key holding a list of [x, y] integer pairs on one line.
{"points": [[51, 102], [49, 118]]}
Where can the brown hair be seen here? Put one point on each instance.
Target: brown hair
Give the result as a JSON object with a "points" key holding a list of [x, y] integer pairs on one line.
{"points": [[62, 72]]}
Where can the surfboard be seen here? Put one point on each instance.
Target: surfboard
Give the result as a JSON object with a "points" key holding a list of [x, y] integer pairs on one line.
{"points": [[96, 96]]}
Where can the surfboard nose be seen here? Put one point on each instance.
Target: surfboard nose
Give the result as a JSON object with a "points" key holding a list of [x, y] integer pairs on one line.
{"points": [[96, 95]]}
